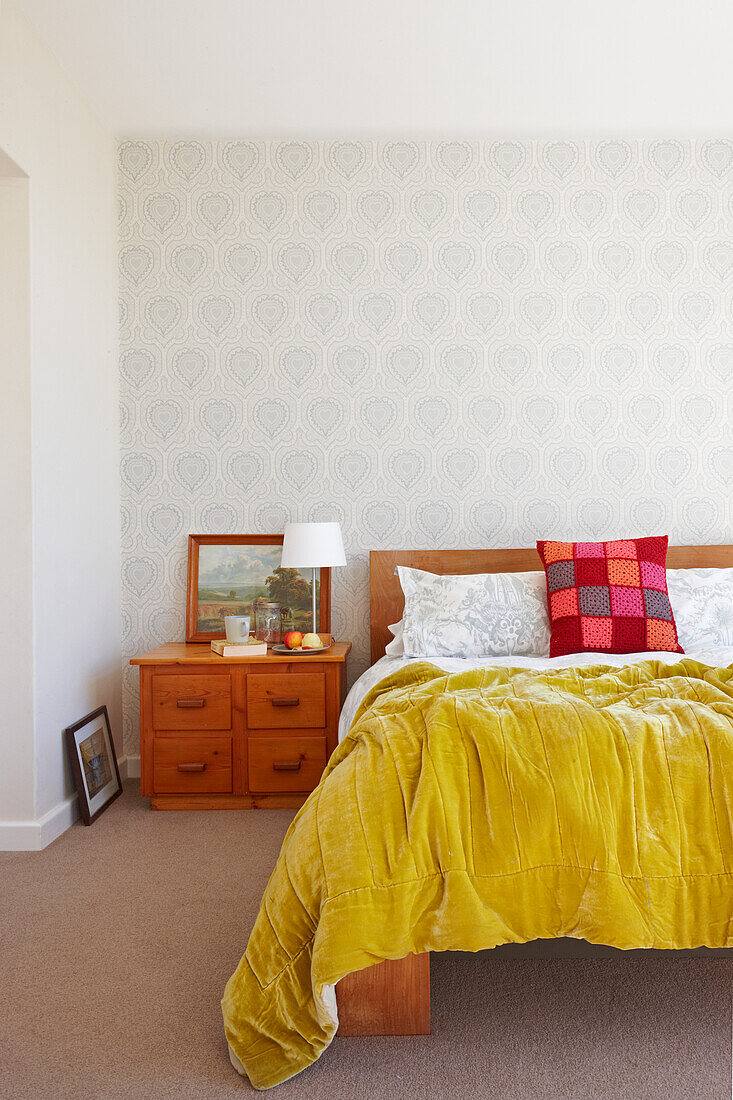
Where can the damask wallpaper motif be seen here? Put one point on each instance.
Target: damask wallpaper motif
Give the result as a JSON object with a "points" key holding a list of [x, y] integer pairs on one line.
{"points": [[457, 344]]}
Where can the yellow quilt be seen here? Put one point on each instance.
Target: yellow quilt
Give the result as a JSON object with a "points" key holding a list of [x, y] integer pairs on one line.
{"points": [[491, 806]]}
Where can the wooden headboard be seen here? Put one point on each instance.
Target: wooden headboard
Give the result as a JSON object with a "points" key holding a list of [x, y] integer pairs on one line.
{"points": [[385, 594]]}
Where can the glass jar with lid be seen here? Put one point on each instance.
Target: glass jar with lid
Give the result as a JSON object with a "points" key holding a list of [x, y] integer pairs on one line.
{"points": [[268, 622]]}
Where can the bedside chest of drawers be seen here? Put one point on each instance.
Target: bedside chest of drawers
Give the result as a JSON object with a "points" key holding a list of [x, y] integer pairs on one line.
{"points": [[218, 733]]}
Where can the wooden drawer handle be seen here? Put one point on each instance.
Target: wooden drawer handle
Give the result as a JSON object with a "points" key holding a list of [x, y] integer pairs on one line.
{"points": [[190, 703], [192, 767], [286, 701], [286, 765]]}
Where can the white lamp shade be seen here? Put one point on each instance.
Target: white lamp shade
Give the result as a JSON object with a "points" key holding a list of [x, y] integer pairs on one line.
{"points": [[312, 546]]}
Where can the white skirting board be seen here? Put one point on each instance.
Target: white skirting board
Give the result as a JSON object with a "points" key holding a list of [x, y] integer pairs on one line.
{"points": [[132, 768], [34, 836]]}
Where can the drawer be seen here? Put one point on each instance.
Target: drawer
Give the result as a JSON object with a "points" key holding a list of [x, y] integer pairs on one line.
{"points": [[285, 763], [196, 702], [289, 700], [192, 765]]}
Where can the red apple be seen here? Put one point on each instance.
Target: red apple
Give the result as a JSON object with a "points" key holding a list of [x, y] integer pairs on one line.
{"points": [[293, 639]]}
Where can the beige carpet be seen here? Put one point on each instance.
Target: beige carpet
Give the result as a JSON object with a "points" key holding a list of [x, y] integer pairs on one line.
{"points": [[116, 943]]}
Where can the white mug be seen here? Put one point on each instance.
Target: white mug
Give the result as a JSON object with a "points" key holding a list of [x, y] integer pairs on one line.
{"points": [[237, 628]]}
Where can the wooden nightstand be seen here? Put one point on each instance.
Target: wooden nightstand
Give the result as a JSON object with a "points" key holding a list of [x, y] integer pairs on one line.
{"points": [[219, 734]]}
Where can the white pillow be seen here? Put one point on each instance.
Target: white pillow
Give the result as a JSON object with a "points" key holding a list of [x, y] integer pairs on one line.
{"points": [[702, 602], [483, 615], [396, 647]]}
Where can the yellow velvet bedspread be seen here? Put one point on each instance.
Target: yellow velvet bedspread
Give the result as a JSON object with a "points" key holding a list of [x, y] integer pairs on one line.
{"points": [[494, 805]]}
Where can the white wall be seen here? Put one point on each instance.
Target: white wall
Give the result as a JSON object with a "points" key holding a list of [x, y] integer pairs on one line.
{"points": [[16, 566], [432, 69], [69, 158]]}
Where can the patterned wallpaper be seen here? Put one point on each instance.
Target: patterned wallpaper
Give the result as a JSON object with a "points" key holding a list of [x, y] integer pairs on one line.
{"points": [[456, 344]]}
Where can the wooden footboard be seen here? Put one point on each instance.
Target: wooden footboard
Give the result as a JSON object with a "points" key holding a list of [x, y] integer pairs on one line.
{"points": [[389, 998]]}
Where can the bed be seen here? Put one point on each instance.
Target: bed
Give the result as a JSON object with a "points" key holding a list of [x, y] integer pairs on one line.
{"points": [[288, 996]]}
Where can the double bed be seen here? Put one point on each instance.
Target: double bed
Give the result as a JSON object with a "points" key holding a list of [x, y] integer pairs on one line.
{"points": [[486, 801]]}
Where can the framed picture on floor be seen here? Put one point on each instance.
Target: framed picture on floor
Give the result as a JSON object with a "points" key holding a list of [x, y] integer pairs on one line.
{"points": [[93, 764], [229, 574]]}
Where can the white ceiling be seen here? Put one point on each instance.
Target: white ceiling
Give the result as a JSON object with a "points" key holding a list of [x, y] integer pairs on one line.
{"points": [[380, 68]]}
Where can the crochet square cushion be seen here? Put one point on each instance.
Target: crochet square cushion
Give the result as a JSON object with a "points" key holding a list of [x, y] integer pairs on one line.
{"points": [[608, 596]]}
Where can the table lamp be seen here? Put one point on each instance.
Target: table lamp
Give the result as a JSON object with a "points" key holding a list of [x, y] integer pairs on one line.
{"points": [[312, 546]]}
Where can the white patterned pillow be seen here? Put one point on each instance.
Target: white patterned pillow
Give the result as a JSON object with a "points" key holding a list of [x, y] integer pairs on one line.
{"points": [[395, 648], [702, 602], [485, 615]]}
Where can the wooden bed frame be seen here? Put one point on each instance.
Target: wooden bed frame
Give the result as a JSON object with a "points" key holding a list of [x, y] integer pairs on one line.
{"points": [[393, 997]]}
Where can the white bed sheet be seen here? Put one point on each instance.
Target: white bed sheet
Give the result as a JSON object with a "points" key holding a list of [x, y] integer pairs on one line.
{"points": [[385, 666]]}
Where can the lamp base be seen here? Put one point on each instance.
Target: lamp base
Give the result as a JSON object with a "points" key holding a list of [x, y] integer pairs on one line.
{"points": [[313, 587]]}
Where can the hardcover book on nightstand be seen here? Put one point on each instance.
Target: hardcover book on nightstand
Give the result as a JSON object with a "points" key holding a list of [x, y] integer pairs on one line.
{"points": [[252, 648]]}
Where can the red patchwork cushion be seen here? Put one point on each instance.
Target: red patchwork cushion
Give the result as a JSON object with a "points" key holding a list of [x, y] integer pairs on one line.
{"points": [[608, 596]]}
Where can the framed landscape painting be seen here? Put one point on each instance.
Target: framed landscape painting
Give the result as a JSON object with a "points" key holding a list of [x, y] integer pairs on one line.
{"points": [[227, 574]]}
